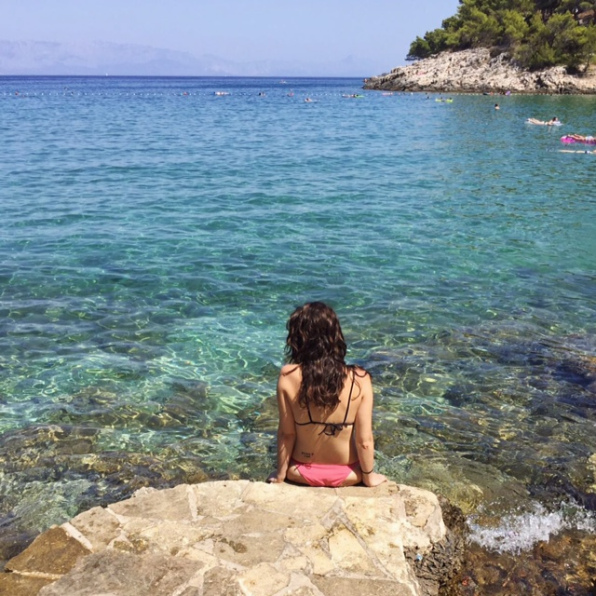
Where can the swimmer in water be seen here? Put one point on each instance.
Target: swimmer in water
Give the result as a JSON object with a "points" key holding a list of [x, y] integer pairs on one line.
{"points": [[581, 138], [577, 151], [552, 122]]}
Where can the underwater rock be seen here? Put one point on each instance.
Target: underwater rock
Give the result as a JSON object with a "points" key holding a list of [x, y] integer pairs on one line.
{"points": [[12, 538], [51, 471], [563, 565], [262, 417], [460, 395], [576, 372], [464, 483], [592, 468], [197, 390], [186, 404]]}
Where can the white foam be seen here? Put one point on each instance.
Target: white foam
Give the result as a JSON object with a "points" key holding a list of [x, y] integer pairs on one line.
{"points": [[519, 532]]}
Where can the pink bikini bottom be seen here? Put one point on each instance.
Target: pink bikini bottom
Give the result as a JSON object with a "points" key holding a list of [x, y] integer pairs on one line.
{"points": [[324, 474]]}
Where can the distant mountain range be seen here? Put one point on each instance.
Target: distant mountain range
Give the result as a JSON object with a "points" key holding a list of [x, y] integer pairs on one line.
{"points": [[101, 58]]}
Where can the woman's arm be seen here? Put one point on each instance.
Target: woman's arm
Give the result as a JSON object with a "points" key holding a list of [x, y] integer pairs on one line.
{"points": [[286, 433], [365, 443]]}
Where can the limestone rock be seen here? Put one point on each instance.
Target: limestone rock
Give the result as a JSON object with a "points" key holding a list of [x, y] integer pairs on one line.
{"points": [[251, 538], [477, 71], [13, 584], [53, 553], [112, 572]]}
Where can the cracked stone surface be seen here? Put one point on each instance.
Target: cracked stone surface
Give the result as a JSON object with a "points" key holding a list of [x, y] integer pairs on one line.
{"points": [[242, 538]]}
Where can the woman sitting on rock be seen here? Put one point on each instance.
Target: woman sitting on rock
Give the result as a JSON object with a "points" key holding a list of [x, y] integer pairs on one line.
{"points": [[325, 407]]}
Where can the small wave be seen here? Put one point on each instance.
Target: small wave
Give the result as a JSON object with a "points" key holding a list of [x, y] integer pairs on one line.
{"points": [[519, 532]]}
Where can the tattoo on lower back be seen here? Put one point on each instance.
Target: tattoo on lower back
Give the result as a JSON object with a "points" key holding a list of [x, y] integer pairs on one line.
{"points": [[306, 454]]}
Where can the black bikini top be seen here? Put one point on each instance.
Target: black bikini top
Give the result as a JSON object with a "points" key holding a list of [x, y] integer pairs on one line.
{"points": [[329, 428]]}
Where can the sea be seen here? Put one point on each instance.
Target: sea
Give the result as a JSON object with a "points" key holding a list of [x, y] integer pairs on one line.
{"points": [[156, 233]]}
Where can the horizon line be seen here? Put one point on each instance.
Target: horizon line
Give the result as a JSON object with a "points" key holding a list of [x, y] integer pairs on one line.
{"points": [[164, 76]]}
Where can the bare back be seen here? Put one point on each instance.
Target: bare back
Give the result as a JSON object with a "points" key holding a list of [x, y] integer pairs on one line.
{"points": [[325, 436]]}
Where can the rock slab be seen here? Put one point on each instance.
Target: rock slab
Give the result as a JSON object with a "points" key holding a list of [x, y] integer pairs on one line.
{"points": [[242, 538], [478, 71]]}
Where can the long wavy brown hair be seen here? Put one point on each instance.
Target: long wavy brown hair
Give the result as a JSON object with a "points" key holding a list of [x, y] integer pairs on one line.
{"points": [[315, 341]]}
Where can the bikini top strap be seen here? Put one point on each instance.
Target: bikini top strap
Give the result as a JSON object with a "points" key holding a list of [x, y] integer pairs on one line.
{"points": [[310, 420], [350, 396], [331, 428]]}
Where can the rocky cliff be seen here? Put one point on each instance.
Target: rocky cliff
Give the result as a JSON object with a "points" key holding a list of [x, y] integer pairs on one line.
{"points": [[477, 71], [249, 539]]}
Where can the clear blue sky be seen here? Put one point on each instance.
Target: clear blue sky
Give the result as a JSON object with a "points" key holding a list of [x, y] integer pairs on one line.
{"points": [[377, 32]]}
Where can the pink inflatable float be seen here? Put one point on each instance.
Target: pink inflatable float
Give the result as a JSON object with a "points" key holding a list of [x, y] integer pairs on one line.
{"points": [[578, 139]]}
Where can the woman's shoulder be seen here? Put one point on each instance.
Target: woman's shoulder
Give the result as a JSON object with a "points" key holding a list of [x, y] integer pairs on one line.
{"points": [[362, 380], [360, 373], [290, 378], [290, 375], [290, 369]]}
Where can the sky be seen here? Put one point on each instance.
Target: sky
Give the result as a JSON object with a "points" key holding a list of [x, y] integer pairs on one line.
{"points": [[377, 33]]}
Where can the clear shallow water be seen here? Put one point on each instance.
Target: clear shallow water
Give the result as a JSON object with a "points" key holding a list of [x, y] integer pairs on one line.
{"points": [[155, 237]]}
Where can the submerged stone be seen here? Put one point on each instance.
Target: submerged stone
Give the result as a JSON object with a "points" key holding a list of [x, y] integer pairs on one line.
{"points": [[565, 564]]}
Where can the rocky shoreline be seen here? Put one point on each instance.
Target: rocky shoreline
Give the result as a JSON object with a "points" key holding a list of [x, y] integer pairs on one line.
{"points": [[477, 71], [242, 538]]}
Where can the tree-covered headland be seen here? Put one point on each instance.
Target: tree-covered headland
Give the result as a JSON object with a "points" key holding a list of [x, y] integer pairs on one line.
{"points": [[536, 34]]}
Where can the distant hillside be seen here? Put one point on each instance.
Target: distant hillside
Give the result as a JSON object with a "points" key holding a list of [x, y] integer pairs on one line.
{"points": [[100, 58]]}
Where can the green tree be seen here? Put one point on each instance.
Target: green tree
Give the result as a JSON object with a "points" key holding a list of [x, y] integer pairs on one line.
{"points": [[535, 52], [590, 47], [479, 29], [573, 44], [538, 33], [437, 40], [515, 28], [419, 48], [433, 43]]}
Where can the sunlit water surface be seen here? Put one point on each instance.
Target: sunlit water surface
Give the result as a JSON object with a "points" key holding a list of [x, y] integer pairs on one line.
{"points": [[155, 236]]}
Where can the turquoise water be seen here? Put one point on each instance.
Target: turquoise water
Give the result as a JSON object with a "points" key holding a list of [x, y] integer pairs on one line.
{"points": [[155, 237]]}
